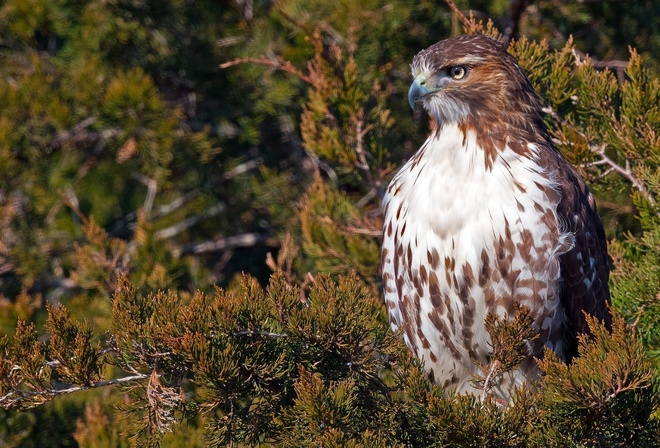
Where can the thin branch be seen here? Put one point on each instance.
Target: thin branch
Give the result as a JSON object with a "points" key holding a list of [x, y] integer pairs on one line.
{"points": [[591, 164], [605, 173], [152, 187], [517, 9], [242, 240], [466, 22], [624, 171], [320, 164], [260, 333], [494, 369], [73, 207], [617, 66], [359, 150], [216, 275], [367, 197], [229, 41], [80, 135], [604, 159], [359, 231], [71, 134], [128, 221], [242, 168], [279, 64], [175, 229], [10, 399], [166, 209], [353, 229]]}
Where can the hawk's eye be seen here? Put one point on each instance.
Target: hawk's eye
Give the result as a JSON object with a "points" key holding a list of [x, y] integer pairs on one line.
{"points": [[457, 71]]}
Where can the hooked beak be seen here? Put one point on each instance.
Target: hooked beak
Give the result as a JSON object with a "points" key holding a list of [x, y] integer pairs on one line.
{"points": [[417, 91]]}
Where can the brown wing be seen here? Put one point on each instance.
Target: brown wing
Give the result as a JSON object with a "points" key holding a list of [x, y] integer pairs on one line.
{"points": [[585, 268]]}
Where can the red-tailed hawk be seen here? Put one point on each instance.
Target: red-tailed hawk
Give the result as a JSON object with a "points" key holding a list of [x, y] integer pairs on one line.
{"points": [[485, 215]]}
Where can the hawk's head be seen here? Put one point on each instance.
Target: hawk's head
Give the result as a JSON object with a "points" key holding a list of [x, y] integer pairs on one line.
{"points": [[471, 78]]}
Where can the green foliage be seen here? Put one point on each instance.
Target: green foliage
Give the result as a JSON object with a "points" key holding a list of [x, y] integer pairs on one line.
{"points": [[331, 231], [138, 174], [636, 283], [72, 348], [297, 367], [606, 396]]}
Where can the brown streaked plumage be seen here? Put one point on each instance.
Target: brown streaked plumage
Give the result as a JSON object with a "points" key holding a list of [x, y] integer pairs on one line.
{"points": [[486, 215]]}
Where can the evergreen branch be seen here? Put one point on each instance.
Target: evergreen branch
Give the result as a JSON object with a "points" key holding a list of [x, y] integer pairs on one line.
{"points": [[241, 240], [279, 64], [604, 159]]}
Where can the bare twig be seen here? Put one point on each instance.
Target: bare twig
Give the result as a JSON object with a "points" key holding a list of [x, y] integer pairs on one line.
{"points": [[623, 171], [320, 164], [177, 228], [13, 397], [362, 164], [494, 370], [229, 41], [367, 197], [461, 16], [359, 231], [166, 209], [517, 9], [604, 159], [617, 66], [260, 333], [216, 275], [279, 64], [76, 131], [128, 221], [242, 168], [591, 164], [152, 186], [242, 240], [353, 229], [79, 135], [66, 200]]}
